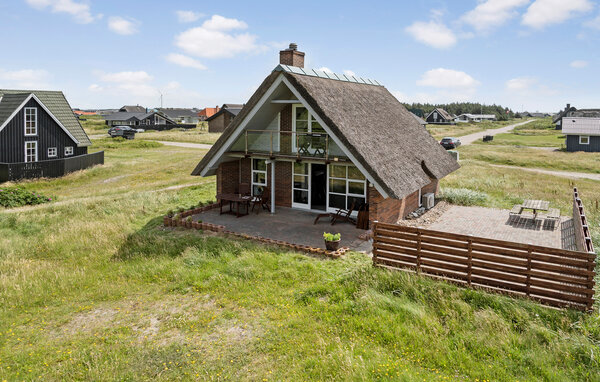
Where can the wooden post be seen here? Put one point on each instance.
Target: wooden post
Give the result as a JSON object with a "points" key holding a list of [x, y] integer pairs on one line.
{"points": [[375, 241], [528, 285], [418, 250], [470, 260]]}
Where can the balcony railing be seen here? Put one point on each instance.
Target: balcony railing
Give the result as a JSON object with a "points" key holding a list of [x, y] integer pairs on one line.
{"points": [[288, 143]]}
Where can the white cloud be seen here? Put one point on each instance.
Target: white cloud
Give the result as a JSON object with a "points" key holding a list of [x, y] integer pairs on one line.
{"points": [[79, 10], [24, 78], [214, 39], [122, 25], [579, 64], [594, 23], [188, 16], [349, 73], [185, 61], [433, 33], [520, 84], [492, 13], [95, 88], [447, 79], [547, 12]]}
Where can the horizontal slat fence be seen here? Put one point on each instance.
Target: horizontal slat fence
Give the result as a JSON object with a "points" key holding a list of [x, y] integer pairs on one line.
{"points": [[549, 275], [49, 168]]}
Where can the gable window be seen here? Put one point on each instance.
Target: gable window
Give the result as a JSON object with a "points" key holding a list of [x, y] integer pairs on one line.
{"points": [[304, 125], [584, 139], [347, 185], [31, 151], [68, 150], [52, 152], [31, 121], [259, 176]]}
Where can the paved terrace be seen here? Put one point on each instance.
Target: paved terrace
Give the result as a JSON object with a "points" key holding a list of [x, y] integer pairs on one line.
{"points": [[290, 225], [496, 224]]}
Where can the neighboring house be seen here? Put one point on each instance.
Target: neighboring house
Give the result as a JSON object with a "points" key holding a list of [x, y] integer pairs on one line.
{"points": [[571, 111], [38, 131], [582, 133], [133, 109], [421, 121], [180, 115], [144, 119], [220, 120], [475, 117], [320, 141], [208, 112], [439, 116]]}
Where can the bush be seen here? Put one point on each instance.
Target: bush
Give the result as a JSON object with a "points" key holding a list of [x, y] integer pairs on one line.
{"points": [[463, 196], [17, 197]]}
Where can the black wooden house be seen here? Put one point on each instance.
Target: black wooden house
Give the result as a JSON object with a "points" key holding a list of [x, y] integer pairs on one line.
{"points": [[40, 136], [440, 116]]}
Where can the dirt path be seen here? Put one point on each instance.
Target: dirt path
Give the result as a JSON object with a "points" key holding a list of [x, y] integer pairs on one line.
{"points": [[468, 139], [566, 174], [188, 145]]}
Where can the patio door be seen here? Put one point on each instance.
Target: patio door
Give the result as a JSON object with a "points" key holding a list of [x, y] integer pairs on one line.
{"points": [[301, 185]]}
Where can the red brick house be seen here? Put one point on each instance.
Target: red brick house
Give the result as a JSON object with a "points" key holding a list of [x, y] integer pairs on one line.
{"points": [[322, 141]]}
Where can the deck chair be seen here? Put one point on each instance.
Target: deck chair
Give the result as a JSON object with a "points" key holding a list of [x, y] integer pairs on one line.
{"points": [[345, 215], [262, 200], [304, 146]]}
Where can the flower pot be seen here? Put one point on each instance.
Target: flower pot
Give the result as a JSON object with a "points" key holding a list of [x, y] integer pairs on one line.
{"points": [[332, 245]]}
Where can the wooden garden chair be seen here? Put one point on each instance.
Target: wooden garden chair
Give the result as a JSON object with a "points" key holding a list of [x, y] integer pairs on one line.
{"points": [[262, 200], [340, 214], [244, 189]]}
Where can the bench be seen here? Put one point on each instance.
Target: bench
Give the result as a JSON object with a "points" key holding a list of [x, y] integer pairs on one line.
{"points": [[516, 210], [553, 216]]}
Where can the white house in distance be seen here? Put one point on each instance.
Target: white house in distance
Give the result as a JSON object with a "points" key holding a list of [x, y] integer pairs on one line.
{"points": [[582, 134], [475, 117]]}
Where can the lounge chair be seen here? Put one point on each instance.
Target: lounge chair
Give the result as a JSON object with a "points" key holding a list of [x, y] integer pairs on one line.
{"points": [[553, 216]]}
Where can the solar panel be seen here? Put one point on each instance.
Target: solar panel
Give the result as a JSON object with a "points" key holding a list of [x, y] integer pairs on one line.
{"points": [[327, 75]]}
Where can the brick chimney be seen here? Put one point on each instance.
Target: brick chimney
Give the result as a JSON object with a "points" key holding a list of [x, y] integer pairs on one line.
{"points": [[292, 56], [568, 107]]}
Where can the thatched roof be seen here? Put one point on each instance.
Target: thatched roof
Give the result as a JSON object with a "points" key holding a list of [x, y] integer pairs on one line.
{"points": [[371, 123]]}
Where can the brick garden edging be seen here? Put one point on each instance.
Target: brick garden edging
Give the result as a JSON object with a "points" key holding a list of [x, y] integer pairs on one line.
{"points": [[179, 220]]}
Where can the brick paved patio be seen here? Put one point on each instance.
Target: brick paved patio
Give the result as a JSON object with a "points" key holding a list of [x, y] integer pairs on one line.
{"points": [[290, 225], [497, 224]]}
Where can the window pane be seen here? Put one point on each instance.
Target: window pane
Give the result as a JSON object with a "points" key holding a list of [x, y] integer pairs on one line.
{"points": [[316, 127], [301, 113], [301, 168], [358, 202], [301, 126], [301, 181], [300, 196], [259, 164], [337, 201], [337, 185], [357, 188], [354, 173], [260, 178], [337, 171]]}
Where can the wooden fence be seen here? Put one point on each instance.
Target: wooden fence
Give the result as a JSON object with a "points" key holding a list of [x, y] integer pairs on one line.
{"points": [[582, 229], [549, 275], [49, 168]]}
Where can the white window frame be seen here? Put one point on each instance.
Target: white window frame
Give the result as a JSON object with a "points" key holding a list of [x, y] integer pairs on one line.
{"points": [[68, 151], [35, 147], [347, 194], [303, 206], [310, 122], [55, 152], [265, 171], [584, 136], [35, 116]]}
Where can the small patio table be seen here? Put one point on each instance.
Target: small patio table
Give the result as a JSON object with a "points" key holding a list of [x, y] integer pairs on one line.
{"points": [[536, 206], [236, 199]]}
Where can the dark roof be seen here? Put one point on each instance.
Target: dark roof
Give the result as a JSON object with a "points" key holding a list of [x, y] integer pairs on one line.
{"points": [[178, 112], [419, 119], [125, 116], [54, 101], [372, 124], [443, 113], [232, 106], [133, 109], [233, 111]]}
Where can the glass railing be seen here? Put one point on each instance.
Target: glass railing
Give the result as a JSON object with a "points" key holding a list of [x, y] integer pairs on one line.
{"points": [[288, 143]]}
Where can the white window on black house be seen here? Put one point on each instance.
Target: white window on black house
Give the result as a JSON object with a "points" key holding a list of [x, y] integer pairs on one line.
{"points": [[347, 185], [68, 150], [584, 139], [31, 151], [31, 121], [52, 152], [259, 176]]}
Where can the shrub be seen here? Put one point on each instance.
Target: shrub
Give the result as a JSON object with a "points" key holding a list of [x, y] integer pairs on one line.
{"points": [[463, 196], [332, 237], [17, 197]]}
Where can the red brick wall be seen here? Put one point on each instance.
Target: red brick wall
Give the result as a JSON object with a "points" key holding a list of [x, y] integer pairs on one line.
{"points": [[228, 177], [283, 184], [391, 210], [291, 57]]}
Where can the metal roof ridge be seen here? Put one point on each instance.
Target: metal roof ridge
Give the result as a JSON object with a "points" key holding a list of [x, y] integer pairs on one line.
{"points": [[327, 75]]}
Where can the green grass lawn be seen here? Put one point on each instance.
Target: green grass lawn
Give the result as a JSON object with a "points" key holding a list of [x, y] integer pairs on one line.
{"points": [[460, 129], [93, 124], [197, 135], [92, 287], [539, 133]]}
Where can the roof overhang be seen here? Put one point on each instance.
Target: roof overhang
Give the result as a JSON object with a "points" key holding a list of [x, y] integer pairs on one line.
{"points": [[22, 105]]}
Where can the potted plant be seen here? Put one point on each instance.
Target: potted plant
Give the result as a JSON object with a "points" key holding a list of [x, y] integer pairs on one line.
{"points": [[332, 241], [188, 222]]}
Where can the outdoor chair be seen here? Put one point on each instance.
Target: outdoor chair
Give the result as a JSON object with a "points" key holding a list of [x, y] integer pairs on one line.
{"points": [[317, 144], [262, 200], [244, 189], [553, 216], [515, 211], [340, 214]]}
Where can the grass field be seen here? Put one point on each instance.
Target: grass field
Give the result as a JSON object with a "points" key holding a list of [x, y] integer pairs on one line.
{"points": [[539, 133], [196, 135], [93, 288], [460, 129]]}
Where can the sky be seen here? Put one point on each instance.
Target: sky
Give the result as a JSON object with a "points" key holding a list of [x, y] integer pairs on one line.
{"points": [[534, 55]]}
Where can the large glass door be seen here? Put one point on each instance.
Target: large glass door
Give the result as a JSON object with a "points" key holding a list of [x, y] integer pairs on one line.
{"points": [[347, 187], [301, 185]]}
